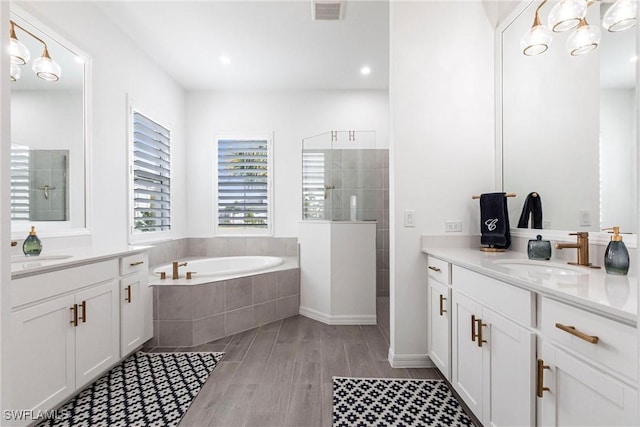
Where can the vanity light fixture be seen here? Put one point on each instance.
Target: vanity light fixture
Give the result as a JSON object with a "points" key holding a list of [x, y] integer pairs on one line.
{"points": [[538, 38], [566, 15], [584, 39], [621, 16], [569, 14], [44, 66]]}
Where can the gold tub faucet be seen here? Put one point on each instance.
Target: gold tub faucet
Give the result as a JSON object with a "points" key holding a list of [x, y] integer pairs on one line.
{"points": [[176, 266]]}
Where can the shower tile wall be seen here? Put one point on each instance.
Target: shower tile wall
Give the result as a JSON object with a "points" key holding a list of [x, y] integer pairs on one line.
{"points": [[363, 173], [48, 185]]}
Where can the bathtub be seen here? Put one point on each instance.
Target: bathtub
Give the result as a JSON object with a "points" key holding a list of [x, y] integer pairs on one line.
{"points": [[222, 268]]}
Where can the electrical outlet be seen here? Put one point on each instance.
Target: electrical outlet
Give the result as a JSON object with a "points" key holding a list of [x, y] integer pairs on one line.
{"points": [[409, 219], [453, 226], [546, 224]]}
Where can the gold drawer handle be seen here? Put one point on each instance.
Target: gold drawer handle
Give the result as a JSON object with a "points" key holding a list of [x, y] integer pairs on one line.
{"points": [[479, 335], [83, 305], [573, 331], [540, 383], [473, 327], [74, 311], [436, 269], [442, 300], [133, 264], [128, 297]]}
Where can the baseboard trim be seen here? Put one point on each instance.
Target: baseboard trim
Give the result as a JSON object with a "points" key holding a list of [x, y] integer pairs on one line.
{"points": [[338, 319], [409, 360]]}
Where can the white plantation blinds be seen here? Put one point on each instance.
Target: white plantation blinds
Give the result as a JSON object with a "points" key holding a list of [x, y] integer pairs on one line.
{"points": [[243, 183], [313, 186], [151, 175], [19, 183]]}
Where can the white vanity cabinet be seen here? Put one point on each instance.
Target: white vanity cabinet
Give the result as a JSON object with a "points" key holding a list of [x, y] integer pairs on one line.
{"points": [[587, 366], [439, 315], [135, 303], [493, 349], [65, 332]]}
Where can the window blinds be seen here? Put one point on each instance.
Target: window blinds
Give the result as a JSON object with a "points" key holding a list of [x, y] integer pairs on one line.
{"points": [[313, 186], [19, 183], [151, 175], [243, 183]]}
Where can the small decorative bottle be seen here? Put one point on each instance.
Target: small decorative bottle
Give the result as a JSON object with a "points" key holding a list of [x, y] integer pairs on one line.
{"points": [[32, 246], [616, 256]]}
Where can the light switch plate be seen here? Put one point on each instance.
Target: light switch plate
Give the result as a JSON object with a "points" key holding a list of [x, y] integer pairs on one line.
{"points": [[585, 217], [453, 226], [409, 219]]}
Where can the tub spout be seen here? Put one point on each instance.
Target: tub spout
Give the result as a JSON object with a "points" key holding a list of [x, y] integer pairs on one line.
{"points": [[176, 266]]}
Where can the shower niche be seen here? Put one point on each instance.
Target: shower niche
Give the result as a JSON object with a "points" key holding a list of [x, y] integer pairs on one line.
{"points": [[344, 229]]}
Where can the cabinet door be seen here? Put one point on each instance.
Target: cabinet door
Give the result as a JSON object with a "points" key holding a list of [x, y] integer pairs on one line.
{"points": [[509, 372], [98, 331], [439, 328], [43, 372], [581, 395], [466, 374], [132, 311]]}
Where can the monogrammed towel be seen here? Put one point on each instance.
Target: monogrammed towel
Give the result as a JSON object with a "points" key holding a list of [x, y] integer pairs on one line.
{"points": [[494, 220]]}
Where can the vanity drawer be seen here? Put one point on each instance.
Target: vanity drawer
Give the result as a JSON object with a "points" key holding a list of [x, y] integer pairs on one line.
{"points": [[509, 300], [439, 270], [616, 347], [134, 263]]}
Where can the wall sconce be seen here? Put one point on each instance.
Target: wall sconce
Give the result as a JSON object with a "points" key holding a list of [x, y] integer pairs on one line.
{"points": [[44, 66], [569, 14]]}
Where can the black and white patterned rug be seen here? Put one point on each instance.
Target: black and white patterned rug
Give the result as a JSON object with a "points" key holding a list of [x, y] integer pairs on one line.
{"points": [[379, 402], [146, 389]]}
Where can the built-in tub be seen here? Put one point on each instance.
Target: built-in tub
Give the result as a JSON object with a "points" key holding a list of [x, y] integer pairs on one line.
{"points": [[221, 268], [226, 295]]}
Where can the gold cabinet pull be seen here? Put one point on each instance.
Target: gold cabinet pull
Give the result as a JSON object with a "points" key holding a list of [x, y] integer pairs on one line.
{"points": [[479, 335], [436, 269], [442, 300], [83, 305], [128, 297], [540, 383], [133, 264], [74, 312], [473, 327], [573, 331]]}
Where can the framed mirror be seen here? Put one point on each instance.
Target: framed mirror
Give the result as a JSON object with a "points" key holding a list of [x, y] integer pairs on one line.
{"points": [[567, 124], [48, 131]]}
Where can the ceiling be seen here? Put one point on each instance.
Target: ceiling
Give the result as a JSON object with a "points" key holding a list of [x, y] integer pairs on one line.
{"points": [[270, 45]]}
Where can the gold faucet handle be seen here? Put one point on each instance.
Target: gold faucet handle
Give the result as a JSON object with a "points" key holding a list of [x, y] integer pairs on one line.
{"points": [[190, 274], [580, 234], [163, 275]]}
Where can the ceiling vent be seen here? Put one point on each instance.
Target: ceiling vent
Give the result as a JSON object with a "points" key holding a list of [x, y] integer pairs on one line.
{"points": [[327, 10]]}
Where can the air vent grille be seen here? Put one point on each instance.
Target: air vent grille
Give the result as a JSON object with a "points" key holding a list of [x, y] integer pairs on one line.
{"points": [[327, 10]]}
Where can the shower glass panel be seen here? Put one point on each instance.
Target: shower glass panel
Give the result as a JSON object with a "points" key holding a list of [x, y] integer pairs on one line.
{"points": [[342, 176]]}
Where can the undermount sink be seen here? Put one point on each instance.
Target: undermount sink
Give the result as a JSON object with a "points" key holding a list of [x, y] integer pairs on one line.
{"points": [[527, 266], [37, 258]]}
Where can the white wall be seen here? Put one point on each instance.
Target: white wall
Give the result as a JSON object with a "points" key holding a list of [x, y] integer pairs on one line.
{"points": [[119, 68], [442, 144], [291, 116]]}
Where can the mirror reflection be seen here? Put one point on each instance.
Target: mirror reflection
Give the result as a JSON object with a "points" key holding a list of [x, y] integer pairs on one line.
{"points": [[47, 130], [568, 125]]}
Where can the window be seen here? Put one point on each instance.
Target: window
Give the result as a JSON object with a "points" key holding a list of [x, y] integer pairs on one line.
{"points": [[19, 183], [150, 170], [314, 190], [243, 201]]}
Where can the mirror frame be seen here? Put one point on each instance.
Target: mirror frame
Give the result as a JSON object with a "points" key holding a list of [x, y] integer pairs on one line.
{"points": [[599, 238], [18, 229]]}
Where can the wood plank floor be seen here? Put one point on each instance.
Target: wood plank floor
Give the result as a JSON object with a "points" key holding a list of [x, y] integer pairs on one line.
{"points": [[281, 374]]}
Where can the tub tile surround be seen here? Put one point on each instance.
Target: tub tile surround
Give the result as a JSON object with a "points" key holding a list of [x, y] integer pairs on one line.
{"points": [[194, 315]]}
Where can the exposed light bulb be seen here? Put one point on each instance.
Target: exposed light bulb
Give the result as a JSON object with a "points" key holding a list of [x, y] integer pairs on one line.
{"points": [[15, 72], [536, 41], [583, 40], [19, 53], [46, 68]]}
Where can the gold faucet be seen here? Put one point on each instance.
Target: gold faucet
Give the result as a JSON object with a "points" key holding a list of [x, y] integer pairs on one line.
{"points": [[177, 265], [582, 245]]}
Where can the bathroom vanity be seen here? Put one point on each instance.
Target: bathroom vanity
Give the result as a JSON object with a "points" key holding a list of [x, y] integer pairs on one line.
{"points": [[73, 318], [534, 342]]}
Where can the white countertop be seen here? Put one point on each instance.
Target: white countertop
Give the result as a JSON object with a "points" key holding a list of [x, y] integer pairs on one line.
{"points": [[53, 260], [613, 296]]}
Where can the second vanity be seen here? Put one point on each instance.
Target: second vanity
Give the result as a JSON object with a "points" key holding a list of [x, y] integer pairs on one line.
{"points": [[534, 342]]}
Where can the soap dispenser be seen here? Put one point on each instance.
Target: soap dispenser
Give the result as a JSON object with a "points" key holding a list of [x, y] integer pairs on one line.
{"points": [[32, 245], [616, 257]]}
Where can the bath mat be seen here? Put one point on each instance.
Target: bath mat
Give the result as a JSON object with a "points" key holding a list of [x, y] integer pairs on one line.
{"points": [[394, 403], [146, 389]]}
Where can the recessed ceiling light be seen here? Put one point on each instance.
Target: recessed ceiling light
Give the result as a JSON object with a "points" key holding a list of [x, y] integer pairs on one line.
{"points": [[225, 60], [633, 58], [365, 71]]}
